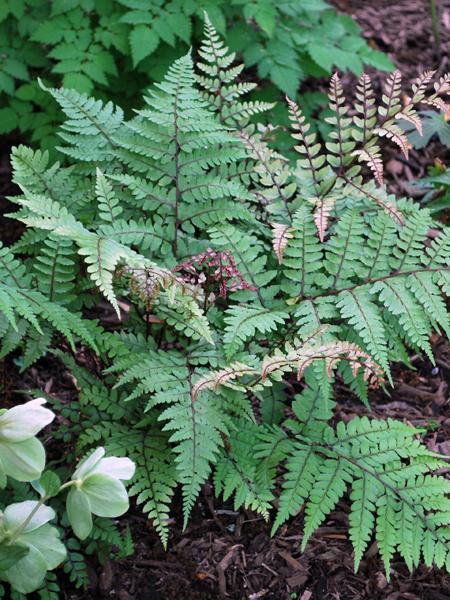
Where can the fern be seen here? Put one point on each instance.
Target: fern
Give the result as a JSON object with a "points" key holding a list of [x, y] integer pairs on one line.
{"points": [[24, 309], [120, 48], [244, 286], [242, 322], [219, 80]]}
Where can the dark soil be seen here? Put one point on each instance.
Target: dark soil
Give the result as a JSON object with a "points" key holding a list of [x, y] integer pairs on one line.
{"points": [[230, 554]]}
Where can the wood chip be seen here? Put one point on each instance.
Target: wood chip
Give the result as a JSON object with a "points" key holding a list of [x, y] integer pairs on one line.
{"points": [[223, 566], [291, 561]]}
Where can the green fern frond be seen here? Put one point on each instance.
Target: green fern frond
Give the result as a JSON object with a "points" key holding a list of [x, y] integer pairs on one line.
{"points": [[219, 80], [242, 322], [90, 126], [197, 429], [55, 269]]}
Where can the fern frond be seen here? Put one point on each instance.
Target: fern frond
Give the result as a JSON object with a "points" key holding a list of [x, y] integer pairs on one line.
{"points": [[309, 147], [217, 378], [300, 356], [357, 308], [301, 470], [108, 204], [391, 96], [281, 235], [322, 214], [372, 158], [197, 428], [303, 254], [401, 303], [219, 79], [342, 145], [242, 323], [365, 106], [155, 480], [90, 127], [56, 269], [235, 473], [343, 248]]}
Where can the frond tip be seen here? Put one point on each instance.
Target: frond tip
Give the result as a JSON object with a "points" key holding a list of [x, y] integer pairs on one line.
{"points": [[300, 356], [281, 236]]}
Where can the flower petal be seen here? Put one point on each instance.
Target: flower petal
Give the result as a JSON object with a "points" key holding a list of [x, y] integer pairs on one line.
{"points": [[28, 574], [25, 420], [120, 468], [24, 461], [107, 495], [79, 513], [46, 540], [88, 463], [15, 514]]}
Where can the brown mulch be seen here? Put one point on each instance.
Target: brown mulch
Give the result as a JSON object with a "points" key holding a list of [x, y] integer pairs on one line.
{"points": [[403, 30]]}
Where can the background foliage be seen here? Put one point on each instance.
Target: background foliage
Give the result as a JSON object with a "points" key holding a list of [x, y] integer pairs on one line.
{"points": [[116, 48]]}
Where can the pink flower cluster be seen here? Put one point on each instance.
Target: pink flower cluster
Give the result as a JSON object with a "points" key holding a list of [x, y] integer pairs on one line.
{"points": [[221, 268]]}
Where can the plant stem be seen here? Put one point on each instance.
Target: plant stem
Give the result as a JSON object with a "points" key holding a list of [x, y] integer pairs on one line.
{"points": [[24, 523], [436, 26], [40, 503]]}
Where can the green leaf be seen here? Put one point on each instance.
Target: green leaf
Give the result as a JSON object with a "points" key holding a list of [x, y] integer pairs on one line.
{"points": [[78, 81], [48, 485], [143, 42], [377, 59], [265, 16], [322, 55], [286, 79], [26, 92], [6, 83], [8, 120]]}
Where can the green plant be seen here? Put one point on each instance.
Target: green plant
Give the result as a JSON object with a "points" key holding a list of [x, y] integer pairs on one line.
{"points": [[120, 46], [436, 188], [435, 20], [29, 544], [229, 269], [434, 125]]}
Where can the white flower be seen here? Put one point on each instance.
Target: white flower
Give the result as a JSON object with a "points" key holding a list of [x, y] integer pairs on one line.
{"points": [[36, 550], [24, 421], [22, 456], [98, 490]]}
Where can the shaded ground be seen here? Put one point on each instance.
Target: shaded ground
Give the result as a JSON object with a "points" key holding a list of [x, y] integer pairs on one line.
{"points": [[403, 29], [230, 554]]}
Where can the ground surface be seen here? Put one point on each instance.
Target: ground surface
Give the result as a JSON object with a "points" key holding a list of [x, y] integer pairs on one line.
{"points": [[229, 554]]}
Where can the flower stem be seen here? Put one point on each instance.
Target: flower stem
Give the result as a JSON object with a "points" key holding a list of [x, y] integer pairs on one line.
{"points": [[24, 523], [40, 503]]}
